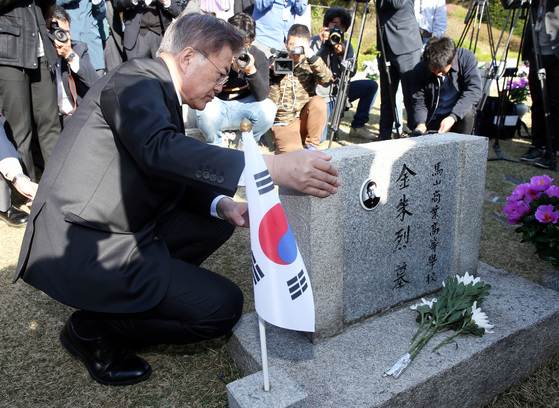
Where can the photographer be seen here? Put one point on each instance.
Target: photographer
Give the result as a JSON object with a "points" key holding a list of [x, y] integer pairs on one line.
{"points": [[27, 79], [75, 73], [301, 115], [330, 46], [245, 93]]}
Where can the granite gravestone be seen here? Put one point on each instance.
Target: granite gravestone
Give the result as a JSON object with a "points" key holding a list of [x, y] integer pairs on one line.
{"points": [[408, 216]]}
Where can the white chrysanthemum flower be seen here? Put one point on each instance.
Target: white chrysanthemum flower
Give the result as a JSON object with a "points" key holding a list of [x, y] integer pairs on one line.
{"points": [[480, 318], [467, 279], [424, 302]]}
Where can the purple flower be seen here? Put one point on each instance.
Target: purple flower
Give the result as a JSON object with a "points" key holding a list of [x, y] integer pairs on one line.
{"points": [[545, 214], [519, 192], [552, 191], [541, 183], [515, 211]]}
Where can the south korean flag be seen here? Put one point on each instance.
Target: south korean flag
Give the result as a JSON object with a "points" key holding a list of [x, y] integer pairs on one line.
{"points": [[282, 288]]}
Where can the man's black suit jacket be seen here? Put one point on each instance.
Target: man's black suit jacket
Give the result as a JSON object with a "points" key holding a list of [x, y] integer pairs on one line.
{"points": [[132, 17], [122, 162], [399, 26]]}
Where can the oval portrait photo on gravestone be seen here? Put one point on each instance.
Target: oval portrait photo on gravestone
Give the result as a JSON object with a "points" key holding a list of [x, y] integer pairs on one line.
{"points": [[368, 196]]}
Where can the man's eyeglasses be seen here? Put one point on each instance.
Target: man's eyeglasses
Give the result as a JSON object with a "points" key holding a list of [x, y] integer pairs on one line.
{"points": [[223, 78]]}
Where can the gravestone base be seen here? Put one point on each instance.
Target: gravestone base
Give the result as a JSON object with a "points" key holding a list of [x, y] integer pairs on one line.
{"points": [[346, 370], [248, 392]]}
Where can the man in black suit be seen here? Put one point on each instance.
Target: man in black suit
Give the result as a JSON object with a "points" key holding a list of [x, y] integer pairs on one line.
{"points": [[145, 22], [121, 221], [399, 33]]}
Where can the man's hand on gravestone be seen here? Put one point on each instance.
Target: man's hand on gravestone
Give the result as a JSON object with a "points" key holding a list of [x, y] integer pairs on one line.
{"points": [[308, 172]]}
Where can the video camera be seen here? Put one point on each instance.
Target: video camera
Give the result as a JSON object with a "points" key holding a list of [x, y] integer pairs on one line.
{"points": [[281, 63], [336, 35], [57, 33]]}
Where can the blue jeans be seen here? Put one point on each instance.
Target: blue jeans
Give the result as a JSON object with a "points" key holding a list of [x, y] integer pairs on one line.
{"points": [[366, 91], [227, 115]]}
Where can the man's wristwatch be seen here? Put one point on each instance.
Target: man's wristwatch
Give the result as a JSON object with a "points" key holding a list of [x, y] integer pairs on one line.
{"points": [[18, 176], [71, 56]]}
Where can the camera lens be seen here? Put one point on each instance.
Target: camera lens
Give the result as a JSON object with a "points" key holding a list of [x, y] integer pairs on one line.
{"points": [[243, 60], [335, 38], [61, 35]]}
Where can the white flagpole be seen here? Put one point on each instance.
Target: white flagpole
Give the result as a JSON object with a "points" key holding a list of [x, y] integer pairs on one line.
{"points": [[246, 131], [264, 352]]}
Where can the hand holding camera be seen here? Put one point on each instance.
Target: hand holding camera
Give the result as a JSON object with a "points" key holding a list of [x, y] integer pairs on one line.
{"points": [[245, 62], [59, 32], [284, 61], [333, 37]]}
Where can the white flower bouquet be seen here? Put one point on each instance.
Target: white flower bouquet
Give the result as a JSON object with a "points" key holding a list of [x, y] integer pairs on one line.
{"points": [[456, 308]]}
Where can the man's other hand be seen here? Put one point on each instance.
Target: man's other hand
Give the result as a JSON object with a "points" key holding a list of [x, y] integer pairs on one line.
{"points": [[234, 212]]}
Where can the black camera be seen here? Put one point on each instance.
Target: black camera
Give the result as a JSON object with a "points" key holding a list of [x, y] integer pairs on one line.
{"points": [[243, 59], [336, 35], [282, 64], [57, 33]]}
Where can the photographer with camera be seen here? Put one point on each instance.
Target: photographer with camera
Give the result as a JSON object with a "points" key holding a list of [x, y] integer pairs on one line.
{"points": [[74, 72], [245, 93], [27, 78], [301, 115], [330, 46]]}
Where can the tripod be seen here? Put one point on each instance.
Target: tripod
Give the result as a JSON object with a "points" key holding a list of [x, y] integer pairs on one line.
{"points": [[478, 9], [507, 73], [347, 67], [495, 71]]}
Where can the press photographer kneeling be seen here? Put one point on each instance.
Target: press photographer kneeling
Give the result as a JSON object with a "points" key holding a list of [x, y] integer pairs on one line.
{"points": [[330, 46], [301, 114]]}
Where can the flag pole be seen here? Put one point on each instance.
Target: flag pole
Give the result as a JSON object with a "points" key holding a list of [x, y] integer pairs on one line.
{"points": [[264, 352], [246, 131]]}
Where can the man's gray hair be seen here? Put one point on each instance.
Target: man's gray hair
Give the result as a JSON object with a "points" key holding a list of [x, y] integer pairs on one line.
{"points": [[201, 32]]}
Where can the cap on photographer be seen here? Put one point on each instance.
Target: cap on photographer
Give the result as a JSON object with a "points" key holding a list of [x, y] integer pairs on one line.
{"points": [[330, 45], [301, 114]]}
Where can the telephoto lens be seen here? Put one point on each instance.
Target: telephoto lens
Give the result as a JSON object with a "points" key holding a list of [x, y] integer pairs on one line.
{"points": [[243, 59], [61, 35], [336, 35]]}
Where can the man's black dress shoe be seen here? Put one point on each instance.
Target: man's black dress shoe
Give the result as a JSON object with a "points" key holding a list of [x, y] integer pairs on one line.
{"points": [[14, 217], [107, 363]]}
